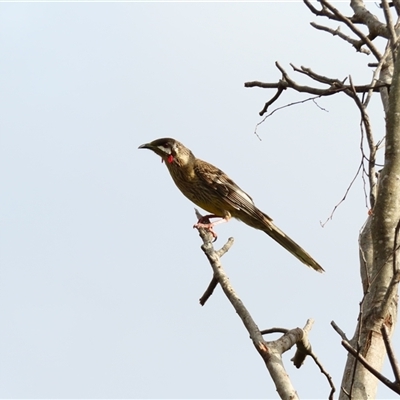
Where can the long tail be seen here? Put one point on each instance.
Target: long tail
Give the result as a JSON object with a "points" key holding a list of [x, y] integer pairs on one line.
{"points": [[291, 246], [255, 218]]}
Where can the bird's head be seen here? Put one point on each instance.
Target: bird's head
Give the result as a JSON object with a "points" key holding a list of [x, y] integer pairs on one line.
{"points": [[170, 150]]}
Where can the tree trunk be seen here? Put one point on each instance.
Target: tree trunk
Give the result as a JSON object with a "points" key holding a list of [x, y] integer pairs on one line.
{"points": [[378, 262]]}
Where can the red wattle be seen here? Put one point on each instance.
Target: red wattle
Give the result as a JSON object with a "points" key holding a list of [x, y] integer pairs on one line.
{"points": [[170, 158]]}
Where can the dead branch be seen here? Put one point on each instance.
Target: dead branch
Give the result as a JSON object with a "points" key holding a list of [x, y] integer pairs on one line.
{"points": [[324, 372], [366, 39], [317, 77], [377, 71], [334, 85], [273, 99], [274, 330], [271, 352], [391, 385], [365, 121], [324, 12], [371, 21], [209, 291], [361, 16], [285, 106], [344, 196], [390, 27], [396, 4], [357, 44], [390, 351], [214, 281], [303, 346], [339, 331]]}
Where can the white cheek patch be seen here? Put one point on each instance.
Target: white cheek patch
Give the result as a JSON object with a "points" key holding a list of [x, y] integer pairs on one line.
{"points": [[166, 150]]}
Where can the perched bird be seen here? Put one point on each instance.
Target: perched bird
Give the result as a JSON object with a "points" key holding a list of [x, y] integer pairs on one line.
{"points": [[211, 189]]}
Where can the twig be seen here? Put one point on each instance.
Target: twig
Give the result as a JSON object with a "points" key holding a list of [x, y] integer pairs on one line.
{"points": [[304, 349], [338, 330], [390, 27], [352, 27], [223, 280], [273, 99], [396, 4], [335, 86], [375, 75], [372, 148], [324, 372], [357, 44], [391, 355], [324, 12], [303, 346], [285, 106], [274, 330], [209, 291], [219, 253], [317, 77], [345, 195], [395, 387]]}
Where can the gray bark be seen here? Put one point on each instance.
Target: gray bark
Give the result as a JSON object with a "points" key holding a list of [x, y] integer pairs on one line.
{"points": [[378, 261]]}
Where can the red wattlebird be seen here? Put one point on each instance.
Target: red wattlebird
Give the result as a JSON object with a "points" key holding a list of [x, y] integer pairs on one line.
{"points": [[211, 189]]}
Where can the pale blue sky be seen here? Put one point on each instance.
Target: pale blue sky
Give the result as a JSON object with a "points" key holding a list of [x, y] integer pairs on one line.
{"points": [[101, 270]]}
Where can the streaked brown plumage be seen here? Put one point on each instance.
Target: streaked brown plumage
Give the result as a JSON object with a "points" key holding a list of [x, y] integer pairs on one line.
{"points": [[211, 189]]}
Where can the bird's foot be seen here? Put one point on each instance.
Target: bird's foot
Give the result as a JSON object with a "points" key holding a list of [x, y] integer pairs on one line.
{"points": [[204, 222], [208, 226]]}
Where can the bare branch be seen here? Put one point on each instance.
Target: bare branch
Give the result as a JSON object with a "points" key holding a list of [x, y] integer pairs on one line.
{"points": [[339, 331], [273, 99], [225, 248], [363, 16], [304, 349], [390, 351], [395, 387], [365, 121], [270, 352], [335, 85], [321, 13], [214, 281], [222, 278], [390, 27], [209, 291], [377, 71], [285, 106], [352, 27], [317, 77], [275, 85], [396, 4], [274, 330], [345, 195], [303, 346], [357, 44]]}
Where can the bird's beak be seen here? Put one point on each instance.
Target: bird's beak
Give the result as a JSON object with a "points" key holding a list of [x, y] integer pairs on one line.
{"points": [[146, 146], [156, 149]]}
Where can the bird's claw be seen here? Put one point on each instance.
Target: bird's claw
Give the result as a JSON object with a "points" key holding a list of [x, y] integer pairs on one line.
{"points": [[208, 227]]}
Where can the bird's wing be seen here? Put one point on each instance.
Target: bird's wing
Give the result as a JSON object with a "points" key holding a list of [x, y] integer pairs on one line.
{"points": [[228, 189]]}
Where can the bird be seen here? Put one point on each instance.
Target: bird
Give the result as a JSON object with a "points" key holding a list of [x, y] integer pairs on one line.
{"points": [[211, 189]]}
